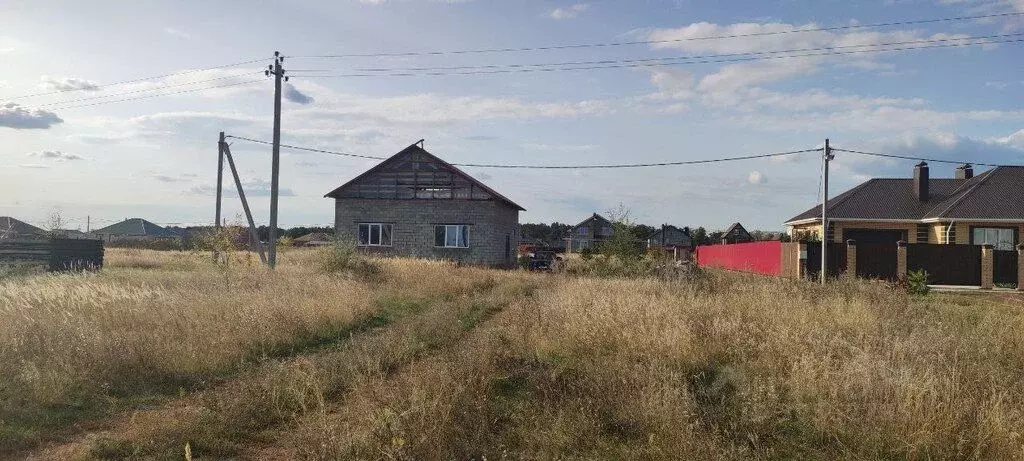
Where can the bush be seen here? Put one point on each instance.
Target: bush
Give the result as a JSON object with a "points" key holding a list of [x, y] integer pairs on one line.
{"points": [[917, 282], [344, 258]]}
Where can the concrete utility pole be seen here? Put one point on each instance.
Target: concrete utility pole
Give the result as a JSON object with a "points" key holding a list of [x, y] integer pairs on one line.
{"points": [[220, 179], [278, 71], [825, 158]]}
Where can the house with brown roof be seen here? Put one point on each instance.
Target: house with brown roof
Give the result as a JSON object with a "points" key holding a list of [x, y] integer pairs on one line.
{"points": [[963, 209], [416, 204]]}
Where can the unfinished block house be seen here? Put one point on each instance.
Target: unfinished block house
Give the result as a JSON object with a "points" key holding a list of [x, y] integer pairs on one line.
{"points": [[415, 204]]}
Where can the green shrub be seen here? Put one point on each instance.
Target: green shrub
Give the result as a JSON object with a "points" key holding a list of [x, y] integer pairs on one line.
{"points": [[344, 258], [917, 282]]}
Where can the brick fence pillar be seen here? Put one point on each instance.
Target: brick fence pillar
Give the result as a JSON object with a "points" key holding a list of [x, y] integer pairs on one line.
{"points": [[1020, 267], [986, 266], [901, 260], [851, 258]]}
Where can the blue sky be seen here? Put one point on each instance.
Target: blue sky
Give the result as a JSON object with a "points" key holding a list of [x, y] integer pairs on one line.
{"points": [[156, 157]]}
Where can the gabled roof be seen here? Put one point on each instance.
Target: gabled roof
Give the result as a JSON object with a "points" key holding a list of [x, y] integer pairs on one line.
{"points": [[413, 149], [736, 228], [136, 227], [672, 233], [11, 226], [593, 217], [994, 194], [314, 237]]}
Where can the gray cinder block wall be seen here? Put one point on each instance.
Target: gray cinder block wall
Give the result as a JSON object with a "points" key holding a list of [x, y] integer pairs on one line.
{"points": [[492, 223]]}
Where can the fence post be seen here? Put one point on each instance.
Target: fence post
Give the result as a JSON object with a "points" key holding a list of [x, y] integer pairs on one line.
{"points": [[851, 258], [986, 266], [1020, 267], [801, 260], [901, 260]]}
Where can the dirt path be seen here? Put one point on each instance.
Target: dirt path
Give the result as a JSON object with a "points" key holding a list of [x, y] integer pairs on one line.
{"points": [[238, 417]]}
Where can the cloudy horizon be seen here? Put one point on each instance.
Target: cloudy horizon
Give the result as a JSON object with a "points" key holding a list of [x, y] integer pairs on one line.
{"points": [[69, 149]]}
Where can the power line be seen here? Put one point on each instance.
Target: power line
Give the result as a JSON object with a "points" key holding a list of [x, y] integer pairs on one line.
{"points": [[145, 90], [308, 149], [654, 42], [620, 64], [551, 167], [136, 80], [906, 157], [673, 58], [247, 82]]}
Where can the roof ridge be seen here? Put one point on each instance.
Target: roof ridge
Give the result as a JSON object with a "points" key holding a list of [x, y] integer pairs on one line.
{"points": [[984, 177]]}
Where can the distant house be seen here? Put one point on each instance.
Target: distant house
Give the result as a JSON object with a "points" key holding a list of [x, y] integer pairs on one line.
{"points": [[589, 233], [12, 228], [736, 233], [313, 239], [135, 229], [416, 204], [72, 234], [965, 209], [672, 239]]}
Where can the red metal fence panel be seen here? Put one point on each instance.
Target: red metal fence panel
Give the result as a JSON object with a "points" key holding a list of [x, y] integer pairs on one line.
{"points": [[757, 257]]}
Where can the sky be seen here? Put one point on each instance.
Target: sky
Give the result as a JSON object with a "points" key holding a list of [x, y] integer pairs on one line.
{"points": [[86, 149]]}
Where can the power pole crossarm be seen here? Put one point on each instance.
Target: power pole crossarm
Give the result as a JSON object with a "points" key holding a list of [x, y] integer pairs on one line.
{"points": [[275, 165]]}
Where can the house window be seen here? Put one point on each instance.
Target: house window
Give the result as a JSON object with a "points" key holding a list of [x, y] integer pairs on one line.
{"points": [[922, 233], [375, 234], [583, 230], [451, 236], [999, 237]]}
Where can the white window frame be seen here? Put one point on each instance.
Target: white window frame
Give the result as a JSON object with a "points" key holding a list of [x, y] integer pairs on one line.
{"points": [[992, 235], [371, 227], [461, 238]]}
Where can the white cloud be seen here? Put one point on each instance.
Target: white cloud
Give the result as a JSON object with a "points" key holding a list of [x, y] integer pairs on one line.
{"points": [[56, 155], [68, 84], [755, 177], [38, 166], [569, 12], [177, 33], [252, 188], [13, 115]]}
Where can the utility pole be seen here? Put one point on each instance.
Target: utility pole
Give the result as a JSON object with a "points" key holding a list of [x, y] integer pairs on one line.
{"points": [[825, 158], [278, 71], [220, 179]]}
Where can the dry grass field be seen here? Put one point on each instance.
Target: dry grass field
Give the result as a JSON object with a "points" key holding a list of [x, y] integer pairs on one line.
{"points": [[411, 359]]}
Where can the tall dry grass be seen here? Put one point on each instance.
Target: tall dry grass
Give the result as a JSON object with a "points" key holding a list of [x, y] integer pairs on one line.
{"points": [[155, 324], [740, 368], [433, 361]]}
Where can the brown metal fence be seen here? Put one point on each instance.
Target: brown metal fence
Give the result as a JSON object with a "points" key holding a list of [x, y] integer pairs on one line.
{"points": [[876, 260], [55, 254], [836, 259], [1004, 267], [947, 264]]}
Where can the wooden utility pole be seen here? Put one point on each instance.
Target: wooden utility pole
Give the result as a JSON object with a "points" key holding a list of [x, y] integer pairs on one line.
{"points": [[278, 71], [220, 180], [825, 158], [253, 235]]}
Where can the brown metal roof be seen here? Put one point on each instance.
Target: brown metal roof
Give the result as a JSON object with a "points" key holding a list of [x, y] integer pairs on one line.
{"points": [[994, 194], [415, 148]]}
